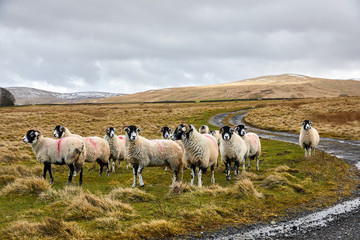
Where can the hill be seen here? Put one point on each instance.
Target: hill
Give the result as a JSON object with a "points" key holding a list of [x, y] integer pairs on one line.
{"points": [[276, 86], [26, 96]]}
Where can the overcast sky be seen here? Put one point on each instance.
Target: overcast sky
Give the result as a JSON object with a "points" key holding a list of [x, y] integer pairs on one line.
{"points": [[137, 45]]}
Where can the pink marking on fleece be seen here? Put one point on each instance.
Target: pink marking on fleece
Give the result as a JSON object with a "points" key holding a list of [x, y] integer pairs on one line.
{"points": [[253, 138], [160, 146], [92, 142], [58, 146], [121, 138], [208, 136]]}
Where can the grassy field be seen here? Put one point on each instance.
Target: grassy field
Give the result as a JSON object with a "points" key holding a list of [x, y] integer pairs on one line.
{"points": [[106, 207]]}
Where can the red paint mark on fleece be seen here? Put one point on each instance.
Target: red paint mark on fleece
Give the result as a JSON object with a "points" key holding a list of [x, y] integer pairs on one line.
{"points": [[58, 146], [121, 137], [92, 142], [208, 136], [253, 138], [159, 145]]}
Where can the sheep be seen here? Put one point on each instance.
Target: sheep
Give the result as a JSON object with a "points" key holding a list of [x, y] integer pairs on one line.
{"points": [[204, 129], [142, 152], [70, 151], [201, 150], [253, 144], [97, 149], [232, 149], [117, 146], [216, 134], [308, 138]]}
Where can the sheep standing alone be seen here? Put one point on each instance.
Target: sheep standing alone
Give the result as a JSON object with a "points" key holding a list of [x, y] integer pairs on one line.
{"points": [[70, 151], [142, 152], [253, 145], [97, 149], [232, 149], [204, 129], [117, 146], [309, 138], [201, 150]]}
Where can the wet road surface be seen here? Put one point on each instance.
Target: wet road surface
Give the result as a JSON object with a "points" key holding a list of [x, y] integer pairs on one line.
{"points": [[341, 221]]}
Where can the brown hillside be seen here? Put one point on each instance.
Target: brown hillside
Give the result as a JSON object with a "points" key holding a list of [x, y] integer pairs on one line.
{"points": [[277, 86]]}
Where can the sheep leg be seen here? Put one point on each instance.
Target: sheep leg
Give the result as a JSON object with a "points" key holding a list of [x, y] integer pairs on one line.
{"points": [[50, 174], [80, 177], [141, 181], [101, 166], [113, 165], [71, 167], [212, 174], [244, 164], [227, 170], [249, 162], [200, 177], [135, 168], [193, 168], [257, 163], [313, 151], [236, 170]]}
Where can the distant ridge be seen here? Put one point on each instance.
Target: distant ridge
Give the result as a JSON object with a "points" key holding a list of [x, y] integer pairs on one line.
{"points": [[26, 96], [273, 86]]}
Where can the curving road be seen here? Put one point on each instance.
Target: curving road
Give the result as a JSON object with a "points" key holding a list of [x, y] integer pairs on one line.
{"points": [[341, 221]]}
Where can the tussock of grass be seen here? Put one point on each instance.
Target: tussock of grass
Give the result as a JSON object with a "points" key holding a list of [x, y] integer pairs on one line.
{"points": [[244, 188], [247, 174], [154, 229], [180, 187], [276, 180], [130, 195], [23, 186], [10, 173], [49, 228], [65, 195], [283, 168], [90, 206]]}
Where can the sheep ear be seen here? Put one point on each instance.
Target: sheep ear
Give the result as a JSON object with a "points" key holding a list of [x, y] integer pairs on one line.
{"points": [[221, 130], [126, 129], [170, 129], [138, 129]]}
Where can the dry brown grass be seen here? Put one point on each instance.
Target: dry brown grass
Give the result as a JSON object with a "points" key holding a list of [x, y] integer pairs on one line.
{"points": [[24, 186], [130, 195], [10, 173], [154, 229], [339, 117], [50, 228]]}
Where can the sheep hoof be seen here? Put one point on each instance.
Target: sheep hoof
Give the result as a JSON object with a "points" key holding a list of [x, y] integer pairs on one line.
{"points": [[134, 185], [99, 174], [52, 181], [142, 185], [68, 182]]}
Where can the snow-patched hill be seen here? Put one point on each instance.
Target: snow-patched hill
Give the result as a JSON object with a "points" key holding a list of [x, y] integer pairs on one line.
{"points": [[25, 96]]}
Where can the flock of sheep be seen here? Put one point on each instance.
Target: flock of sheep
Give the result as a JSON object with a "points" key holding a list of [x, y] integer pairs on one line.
{"points": [[185, 147]]}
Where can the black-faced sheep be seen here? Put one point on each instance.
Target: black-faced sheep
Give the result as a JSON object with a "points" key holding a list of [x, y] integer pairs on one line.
{"points": [[204, 129], [308, 138], [232, 149], [253, 144], [70, 151], [142, 152], [117, 146], [201, 150], [97, 149]]}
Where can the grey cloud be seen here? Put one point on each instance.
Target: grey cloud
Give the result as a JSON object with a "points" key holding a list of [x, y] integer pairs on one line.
{"points": [[130, 46]]}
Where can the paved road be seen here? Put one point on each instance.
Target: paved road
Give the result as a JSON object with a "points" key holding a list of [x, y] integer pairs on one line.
{"points": [[341, 221]]}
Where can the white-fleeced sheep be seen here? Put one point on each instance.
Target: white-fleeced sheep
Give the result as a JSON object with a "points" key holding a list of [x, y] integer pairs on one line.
{"points": [[232, 149], [204, 129], [201, 150], [117, 146], [97, 149], [253, 144], [308, 138], [70, 151], [142, 152], [216, 134]]}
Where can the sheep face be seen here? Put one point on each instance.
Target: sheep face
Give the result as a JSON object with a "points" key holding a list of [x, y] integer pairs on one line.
{"points": [[241, 129], [306, 125], [165, 131], [58, 131], [203, 129], [132, 132], [110, 131], [31, 136], [226, 132], [182, 129]]}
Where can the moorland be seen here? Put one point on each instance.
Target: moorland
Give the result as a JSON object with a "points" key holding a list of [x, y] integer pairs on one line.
{"points": [[107, 207]]}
